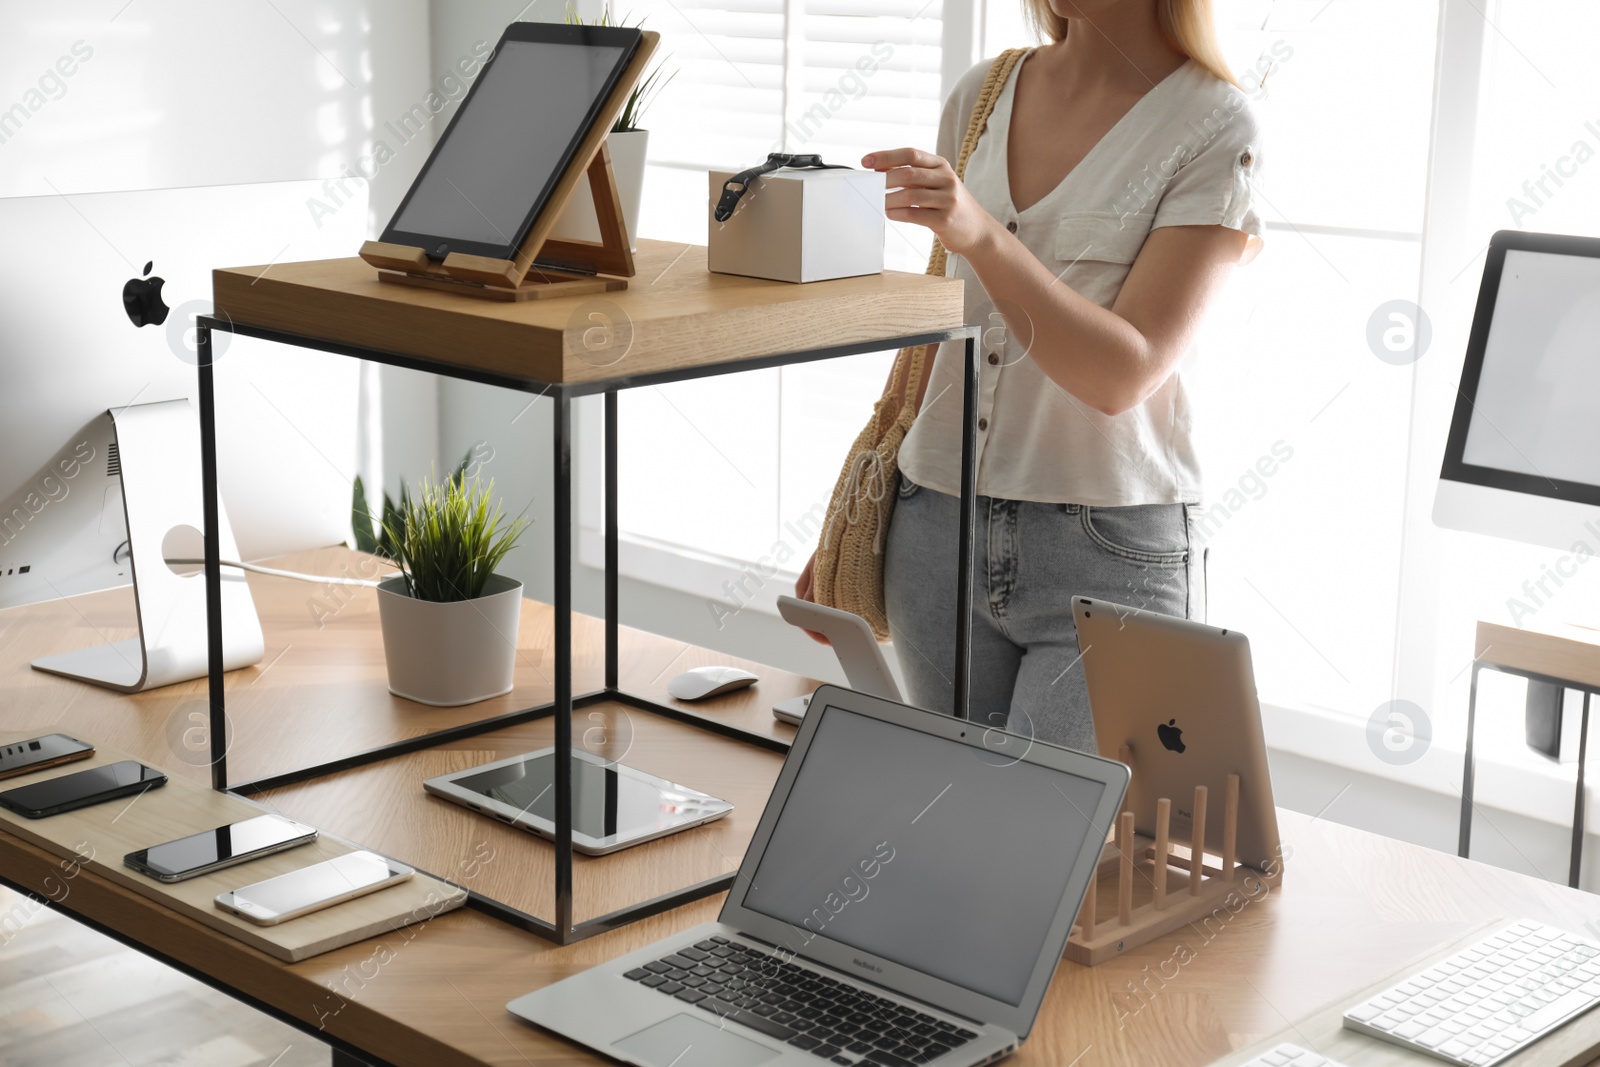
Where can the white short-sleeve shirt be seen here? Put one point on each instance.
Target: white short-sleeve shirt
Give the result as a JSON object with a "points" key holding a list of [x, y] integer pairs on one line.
{"points": [[1186, 154]]}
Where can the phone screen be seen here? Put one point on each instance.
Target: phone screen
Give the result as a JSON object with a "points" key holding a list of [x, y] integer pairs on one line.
{"points": [[83, 788], [40, 751], [313, 885], [225, 843]]}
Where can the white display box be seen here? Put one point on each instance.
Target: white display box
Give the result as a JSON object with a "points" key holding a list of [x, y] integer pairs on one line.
{"points": [[800, 226]]}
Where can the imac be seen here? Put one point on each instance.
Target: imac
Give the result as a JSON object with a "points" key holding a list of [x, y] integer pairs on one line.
{"points": [[97, 412], [1523, 457]]}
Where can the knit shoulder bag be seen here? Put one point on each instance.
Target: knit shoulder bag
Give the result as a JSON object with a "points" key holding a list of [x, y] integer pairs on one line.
{"points": [[848, 572]]}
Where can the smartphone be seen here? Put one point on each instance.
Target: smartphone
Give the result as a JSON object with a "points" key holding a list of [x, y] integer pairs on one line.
{"points": [[313, 888], [37, 753], [82, 789], [213, 850]]}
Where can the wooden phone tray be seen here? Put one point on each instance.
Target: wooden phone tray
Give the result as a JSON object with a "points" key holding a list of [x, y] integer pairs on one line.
{"points": [[96, 838], [595, 266]]}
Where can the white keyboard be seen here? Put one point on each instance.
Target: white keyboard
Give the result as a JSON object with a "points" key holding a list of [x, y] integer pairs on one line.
{"points": [[1291, 1056], [1488, 1001]]}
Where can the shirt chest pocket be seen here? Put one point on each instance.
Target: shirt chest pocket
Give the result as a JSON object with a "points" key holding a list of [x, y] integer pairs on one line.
{"points": [[1094, 251], [1094, 237]]}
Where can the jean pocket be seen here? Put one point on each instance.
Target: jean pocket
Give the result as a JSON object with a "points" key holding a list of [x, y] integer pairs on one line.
{"points": [[1146, 533], [908, 488]]}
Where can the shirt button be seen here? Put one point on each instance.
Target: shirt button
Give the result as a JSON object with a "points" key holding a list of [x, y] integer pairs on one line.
{"points": [[1246, 159], [994, 359], [983, 424], [1012, 225]]}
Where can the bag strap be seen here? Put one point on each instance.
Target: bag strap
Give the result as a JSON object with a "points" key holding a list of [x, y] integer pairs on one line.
{"points": [[993, 84], [735, 187], [909, 365]]}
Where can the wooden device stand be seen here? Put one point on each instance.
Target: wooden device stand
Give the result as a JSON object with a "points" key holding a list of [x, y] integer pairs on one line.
{"points": [[1200, 889], [585, 266]]}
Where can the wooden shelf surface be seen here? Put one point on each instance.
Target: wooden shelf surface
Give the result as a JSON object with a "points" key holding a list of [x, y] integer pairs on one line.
{"points": [[319, 692], [384, 806], [674, 315]]}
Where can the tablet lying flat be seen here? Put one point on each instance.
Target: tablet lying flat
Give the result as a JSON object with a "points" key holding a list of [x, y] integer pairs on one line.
{"points": [[516, 133], [613, 805]]}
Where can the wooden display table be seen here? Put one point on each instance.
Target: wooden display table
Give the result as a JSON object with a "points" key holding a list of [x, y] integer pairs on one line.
{"points": [[1559, 654], [675, 318], [676, 321], [1357, 908]]}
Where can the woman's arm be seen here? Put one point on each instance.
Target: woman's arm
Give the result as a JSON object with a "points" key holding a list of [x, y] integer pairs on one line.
{"points": [[1110, 358]]}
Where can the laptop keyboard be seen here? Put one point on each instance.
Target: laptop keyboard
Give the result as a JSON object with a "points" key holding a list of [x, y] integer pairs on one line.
{"points": [[834, 1020]]}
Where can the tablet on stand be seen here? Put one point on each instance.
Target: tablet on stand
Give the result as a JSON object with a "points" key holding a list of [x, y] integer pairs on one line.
{"points": [[478, 217]]}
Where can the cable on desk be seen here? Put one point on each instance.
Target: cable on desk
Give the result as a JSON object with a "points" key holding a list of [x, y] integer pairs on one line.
{"points": [[256, 569]]}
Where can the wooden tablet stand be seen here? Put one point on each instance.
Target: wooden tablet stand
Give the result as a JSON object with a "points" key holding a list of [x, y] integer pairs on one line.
{"points": [[563, 268], [1202, 891]]}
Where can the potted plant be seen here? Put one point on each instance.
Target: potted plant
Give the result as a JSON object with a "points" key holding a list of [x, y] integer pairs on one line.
{"points": [[627, 143], [449, 621]]}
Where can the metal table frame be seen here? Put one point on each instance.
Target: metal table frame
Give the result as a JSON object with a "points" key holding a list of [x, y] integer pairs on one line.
{"points": [[562, 930], [1464, 840]]}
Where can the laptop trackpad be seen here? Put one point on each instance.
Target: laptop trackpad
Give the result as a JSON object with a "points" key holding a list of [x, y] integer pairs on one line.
{"points": [[684, 1039]]}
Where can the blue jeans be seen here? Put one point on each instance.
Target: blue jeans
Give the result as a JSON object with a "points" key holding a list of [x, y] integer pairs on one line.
{"points": [[1030, 559]]}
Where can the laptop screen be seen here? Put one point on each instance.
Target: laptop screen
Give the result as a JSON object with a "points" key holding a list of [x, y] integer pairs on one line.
{"points": [[923, 850]]}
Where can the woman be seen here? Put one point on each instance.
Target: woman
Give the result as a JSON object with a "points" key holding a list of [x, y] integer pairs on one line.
{"points": [[1102, 211]]}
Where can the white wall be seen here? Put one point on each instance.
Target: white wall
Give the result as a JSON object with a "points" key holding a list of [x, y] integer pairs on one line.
{"points": [[175, 93]]}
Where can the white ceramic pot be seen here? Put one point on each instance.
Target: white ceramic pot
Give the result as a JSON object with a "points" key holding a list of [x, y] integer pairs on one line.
{"points": [[577, 221], [628, 150], [450, 654]]}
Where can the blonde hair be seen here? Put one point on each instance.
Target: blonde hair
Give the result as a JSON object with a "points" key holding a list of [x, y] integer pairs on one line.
{"points": [[1186, 24]]}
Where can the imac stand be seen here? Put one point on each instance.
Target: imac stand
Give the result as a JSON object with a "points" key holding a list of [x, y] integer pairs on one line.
{"points": [[157, 445]]}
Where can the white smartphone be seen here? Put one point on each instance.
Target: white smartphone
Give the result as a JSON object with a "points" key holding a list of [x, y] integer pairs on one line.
{"points": [[313, 888]]}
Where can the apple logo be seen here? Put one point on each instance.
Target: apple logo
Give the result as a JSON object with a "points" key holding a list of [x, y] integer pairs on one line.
{"points": [[141, 299], [1171, 735]]}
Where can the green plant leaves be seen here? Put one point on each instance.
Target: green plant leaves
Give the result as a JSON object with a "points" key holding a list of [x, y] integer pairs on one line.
{"points": [[642, 94], [448, 540], [361, 519], [373, 533]]}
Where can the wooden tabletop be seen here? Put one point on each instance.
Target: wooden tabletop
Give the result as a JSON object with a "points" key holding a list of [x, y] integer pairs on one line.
{"points": [[674, 315], [1557, 649], [1353, 906]]}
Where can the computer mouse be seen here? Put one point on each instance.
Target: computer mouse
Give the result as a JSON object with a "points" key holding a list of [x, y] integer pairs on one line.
{"points": [[702, 682]]}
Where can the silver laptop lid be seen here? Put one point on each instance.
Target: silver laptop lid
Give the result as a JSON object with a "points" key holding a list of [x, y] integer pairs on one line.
{"points": [[935, 858]]}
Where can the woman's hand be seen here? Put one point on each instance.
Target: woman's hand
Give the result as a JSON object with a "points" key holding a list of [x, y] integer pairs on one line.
{"points": [[925, 190], [805, 589]]}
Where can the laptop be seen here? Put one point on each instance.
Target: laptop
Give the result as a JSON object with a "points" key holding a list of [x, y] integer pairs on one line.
{"points": [[852, 640], [1181, 696], [905, 900]]}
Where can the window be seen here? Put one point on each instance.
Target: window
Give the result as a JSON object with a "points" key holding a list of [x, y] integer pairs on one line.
{"points": [[1401, 135], [1308, 429], [1533, 164], [758, 452], [1304, 431]]}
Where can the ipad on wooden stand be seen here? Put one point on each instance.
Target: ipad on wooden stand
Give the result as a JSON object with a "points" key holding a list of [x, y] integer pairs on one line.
{"points": [[478, 217]]}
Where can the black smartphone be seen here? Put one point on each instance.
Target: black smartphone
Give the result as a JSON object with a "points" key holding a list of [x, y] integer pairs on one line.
{"points": [[82, 789], [212, 850], [37, 753]]}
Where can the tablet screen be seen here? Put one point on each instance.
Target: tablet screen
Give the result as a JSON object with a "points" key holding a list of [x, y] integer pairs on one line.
{"points": [[494, 167], [608, 799]]}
